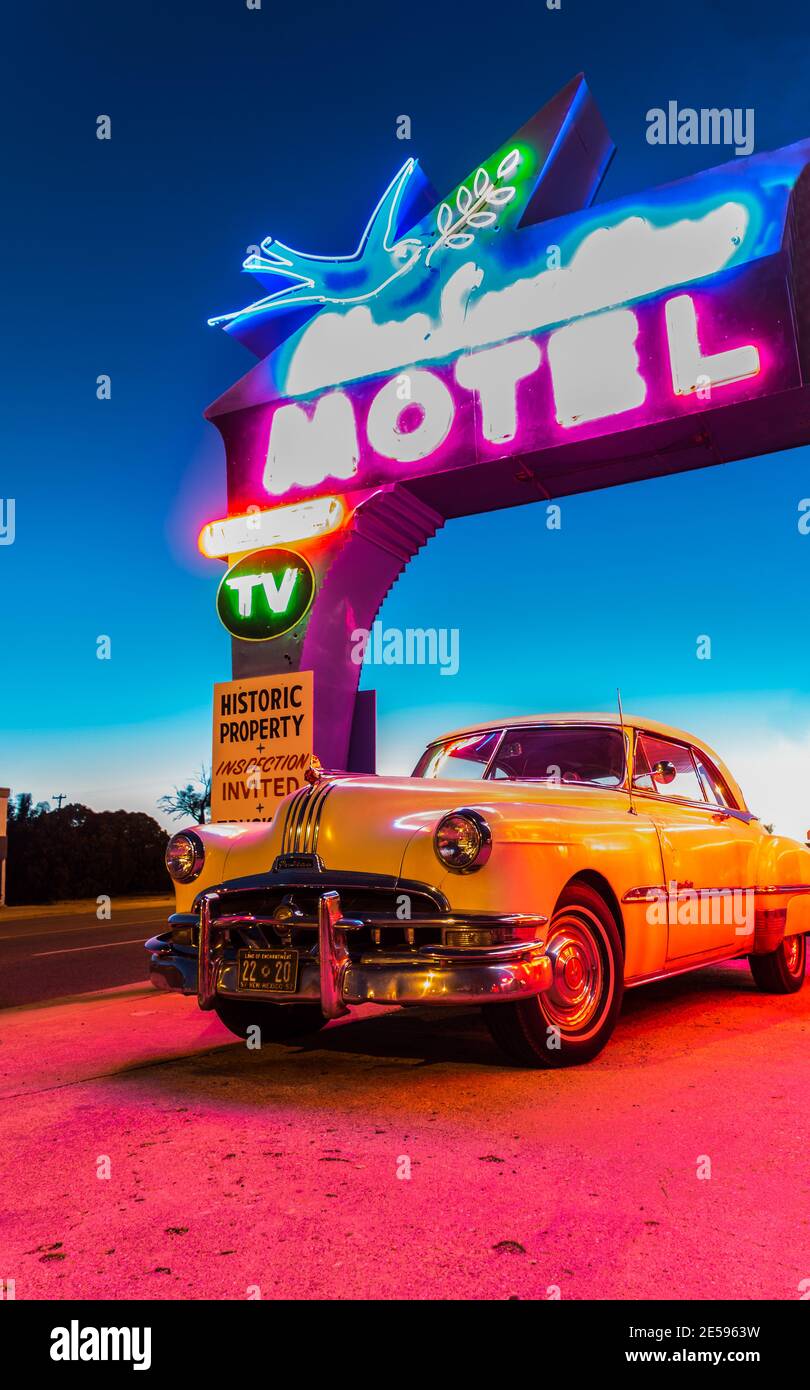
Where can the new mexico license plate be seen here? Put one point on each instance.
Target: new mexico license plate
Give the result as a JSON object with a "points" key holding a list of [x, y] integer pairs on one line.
{"points": [[269, 972]]}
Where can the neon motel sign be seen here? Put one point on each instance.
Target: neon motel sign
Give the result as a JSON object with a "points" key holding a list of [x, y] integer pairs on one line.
{"points": [[513, 340], [598, 367], [487, 375], [471, 337]]}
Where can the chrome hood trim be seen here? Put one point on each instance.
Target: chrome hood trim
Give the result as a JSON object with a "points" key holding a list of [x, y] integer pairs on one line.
{"points": [[302, 820]]}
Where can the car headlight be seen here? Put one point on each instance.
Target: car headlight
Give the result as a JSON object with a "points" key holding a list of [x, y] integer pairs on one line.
{"points": [[463, 840], [185, 856]]}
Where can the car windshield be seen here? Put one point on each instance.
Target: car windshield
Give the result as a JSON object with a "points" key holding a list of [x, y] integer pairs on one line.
{"points": [[549, 753], [458, 759]]}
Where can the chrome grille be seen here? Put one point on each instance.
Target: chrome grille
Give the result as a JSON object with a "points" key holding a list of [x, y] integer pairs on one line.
{"points": [[303, 819], [255, 911]]}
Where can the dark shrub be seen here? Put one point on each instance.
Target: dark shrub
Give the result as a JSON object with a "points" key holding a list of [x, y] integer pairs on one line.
{"points": [[79, 853]]}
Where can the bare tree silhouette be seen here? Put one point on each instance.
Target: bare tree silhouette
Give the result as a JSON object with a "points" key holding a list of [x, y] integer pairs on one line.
{"points": [[190, 802]]}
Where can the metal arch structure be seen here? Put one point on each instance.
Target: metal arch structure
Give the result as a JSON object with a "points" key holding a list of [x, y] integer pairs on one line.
{"points": [[512, 341]]}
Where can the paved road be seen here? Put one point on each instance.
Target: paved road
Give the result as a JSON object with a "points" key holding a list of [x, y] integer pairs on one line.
{"points": [[146, 1153], [53, 956]]}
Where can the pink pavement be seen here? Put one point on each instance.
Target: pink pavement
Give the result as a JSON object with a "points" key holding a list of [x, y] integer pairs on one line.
{"points": [[238, 1174]]}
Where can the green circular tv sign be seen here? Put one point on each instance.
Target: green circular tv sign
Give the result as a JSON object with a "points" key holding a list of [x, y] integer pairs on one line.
{"points": [[265, 594]]}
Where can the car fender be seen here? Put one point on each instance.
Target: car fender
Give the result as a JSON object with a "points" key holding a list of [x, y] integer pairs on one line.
{"points": [[535, 855]]}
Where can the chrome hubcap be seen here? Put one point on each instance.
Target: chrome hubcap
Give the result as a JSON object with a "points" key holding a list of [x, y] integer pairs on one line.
{"points": [[794, 956], [578, 973]]}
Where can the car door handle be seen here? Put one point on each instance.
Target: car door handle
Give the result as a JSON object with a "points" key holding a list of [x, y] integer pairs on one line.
{"points": [[720, 815]]}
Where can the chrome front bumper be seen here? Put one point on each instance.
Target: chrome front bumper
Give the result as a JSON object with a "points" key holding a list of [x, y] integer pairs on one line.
{"points": [[329, 975]]}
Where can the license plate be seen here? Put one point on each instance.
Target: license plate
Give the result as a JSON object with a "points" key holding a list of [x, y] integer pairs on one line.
{"points": [[268, 972]]}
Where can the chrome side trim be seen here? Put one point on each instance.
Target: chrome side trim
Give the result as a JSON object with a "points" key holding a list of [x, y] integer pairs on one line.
{"points": [[644, 895], [678, 891], [655, 894], [791, 888], [711, 808]]}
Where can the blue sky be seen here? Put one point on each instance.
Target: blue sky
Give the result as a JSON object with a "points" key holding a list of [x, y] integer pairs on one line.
{"points": [[228, 125]]}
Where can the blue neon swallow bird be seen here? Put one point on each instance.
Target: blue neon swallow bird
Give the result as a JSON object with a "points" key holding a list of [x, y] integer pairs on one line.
{"points": [[308, 282]]}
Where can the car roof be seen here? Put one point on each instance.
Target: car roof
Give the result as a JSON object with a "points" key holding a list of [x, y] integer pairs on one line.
{"points": [[569, 717], [631, 721]]}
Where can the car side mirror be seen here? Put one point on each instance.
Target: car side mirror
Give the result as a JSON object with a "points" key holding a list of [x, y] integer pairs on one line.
{"points": [[665, 772]]}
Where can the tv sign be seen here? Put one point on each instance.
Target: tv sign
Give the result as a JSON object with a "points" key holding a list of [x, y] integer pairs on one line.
{"points": [[265, 594]]}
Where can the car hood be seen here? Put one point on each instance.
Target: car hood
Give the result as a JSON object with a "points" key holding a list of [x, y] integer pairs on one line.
{"points": [[367, 823]]}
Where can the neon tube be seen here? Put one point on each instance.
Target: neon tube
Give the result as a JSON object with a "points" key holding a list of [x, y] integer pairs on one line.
{"points": [[299, 521]]}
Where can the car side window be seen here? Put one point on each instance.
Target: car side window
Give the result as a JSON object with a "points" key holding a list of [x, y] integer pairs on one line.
{"points": [[642, 776], [673, 769], [713, 784]]}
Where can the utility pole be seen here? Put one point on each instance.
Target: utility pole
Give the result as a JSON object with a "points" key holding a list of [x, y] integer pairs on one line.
{"points": [[59, 797]]}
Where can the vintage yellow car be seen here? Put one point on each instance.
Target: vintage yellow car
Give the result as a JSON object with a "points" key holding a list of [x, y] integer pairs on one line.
{"points": [[537, 867]]}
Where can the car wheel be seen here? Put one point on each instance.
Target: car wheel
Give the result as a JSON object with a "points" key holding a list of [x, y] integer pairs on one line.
{"points": [[276, 1021], [781, 971], [570, 1022]]}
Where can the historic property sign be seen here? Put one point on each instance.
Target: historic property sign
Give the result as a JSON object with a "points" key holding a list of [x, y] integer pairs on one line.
{"points": [[262, 744]]}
